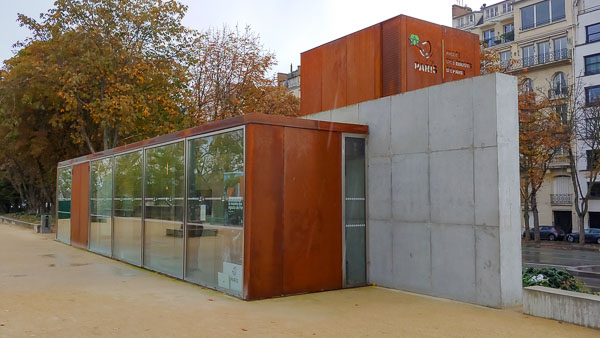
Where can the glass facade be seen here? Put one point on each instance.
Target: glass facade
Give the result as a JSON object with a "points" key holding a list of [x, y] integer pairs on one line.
{"points": [[64, 184], [128, 208], [101, 203], [215, 211], [163, 207], [145, 212]]}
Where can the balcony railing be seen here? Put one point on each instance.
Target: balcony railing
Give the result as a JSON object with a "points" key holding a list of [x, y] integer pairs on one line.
{"points": [[541, 59], [503, 38], [561, 199], [557, 93]]}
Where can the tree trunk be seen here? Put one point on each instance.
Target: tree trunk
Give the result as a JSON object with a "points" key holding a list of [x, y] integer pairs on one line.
{"points": [[581, 224], [536, 218], [526, 218]]}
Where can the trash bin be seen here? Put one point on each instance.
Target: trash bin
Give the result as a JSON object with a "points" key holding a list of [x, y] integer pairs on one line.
{"points": [[45, 224]]}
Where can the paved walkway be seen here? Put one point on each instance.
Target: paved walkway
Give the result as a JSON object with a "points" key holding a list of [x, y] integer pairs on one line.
{"points": [[50, 289]]}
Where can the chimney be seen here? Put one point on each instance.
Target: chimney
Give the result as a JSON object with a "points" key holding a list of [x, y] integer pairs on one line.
{"points": [[460, 10]]}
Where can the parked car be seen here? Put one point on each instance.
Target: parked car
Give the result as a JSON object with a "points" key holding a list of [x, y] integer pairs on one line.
{"points": [[592, 235], [548, 232]]}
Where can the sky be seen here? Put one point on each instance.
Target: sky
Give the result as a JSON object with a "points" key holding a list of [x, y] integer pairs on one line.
{"points": [[286, 28]]}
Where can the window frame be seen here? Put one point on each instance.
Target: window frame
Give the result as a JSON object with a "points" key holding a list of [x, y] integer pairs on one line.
{"points": [[587, 33], [551, 18], [587, 95], [585, 64], [491, 40], [594, 187]]}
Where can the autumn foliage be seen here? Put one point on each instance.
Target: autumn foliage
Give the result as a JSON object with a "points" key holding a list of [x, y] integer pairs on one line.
{"points": [[542, 135], [97, 74]]}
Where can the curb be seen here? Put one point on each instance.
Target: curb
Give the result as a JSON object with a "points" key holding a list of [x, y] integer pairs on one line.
{"points": [[561, 246]]}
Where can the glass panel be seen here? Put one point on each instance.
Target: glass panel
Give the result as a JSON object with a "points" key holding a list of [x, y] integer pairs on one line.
{"points": [[542, 13], [488, 37], [592, 64], [593, 32], [560, 48], [558, 9], [63, 230], [559, 84], [128, 208], [528, 58], [163, 230], [101, 206], [592, 95], [216, 211], [355, 216], [527, 17]]}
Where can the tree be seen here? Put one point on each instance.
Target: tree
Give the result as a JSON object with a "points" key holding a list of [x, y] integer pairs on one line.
{"points": [[541, 133], [230, 77], [490, 61], [97, 74], [583, 125], [29, 146], [115, 67]]}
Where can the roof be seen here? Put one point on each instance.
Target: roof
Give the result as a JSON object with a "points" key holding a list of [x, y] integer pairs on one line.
{"points": [[253, 118]]}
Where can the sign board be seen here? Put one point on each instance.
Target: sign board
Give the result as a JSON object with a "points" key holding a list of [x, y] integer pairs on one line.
{"points": [[398, 55]]}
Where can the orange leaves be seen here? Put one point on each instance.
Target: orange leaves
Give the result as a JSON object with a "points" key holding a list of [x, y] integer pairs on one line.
{"points": [[541, 135]]}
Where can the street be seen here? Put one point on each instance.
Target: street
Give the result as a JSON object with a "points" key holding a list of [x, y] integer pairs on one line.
{"points": [[545, 256]]}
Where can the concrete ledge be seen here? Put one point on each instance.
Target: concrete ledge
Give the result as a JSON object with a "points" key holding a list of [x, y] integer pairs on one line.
{"points": [[567, 306]]}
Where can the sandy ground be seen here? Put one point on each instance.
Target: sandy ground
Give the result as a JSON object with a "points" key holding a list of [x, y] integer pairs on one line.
{"points": [[50, 289]]}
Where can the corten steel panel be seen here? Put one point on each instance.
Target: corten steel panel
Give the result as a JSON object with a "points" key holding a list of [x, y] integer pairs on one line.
{"points": [[430, 36], [311, 81], [252, 118], [399, 65], [312, 211], [75, 201], [263, 225], [80, 205], [391, 57], [84, 206], [333, 76], [363, 65], [458, 59]]}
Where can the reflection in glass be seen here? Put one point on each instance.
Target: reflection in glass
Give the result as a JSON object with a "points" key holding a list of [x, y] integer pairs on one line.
{"points": [[163, 230], [215, 211], [63, 231], [101, 206], [128, 208], [355, 207]]}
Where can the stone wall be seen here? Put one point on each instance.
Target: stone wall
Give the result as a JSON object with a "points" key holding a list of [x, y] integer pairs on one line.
{"points": [[443, 189]]}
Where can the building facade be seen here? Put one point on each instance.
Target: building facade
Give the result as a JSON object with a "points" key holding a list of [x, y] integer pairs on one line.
{"points": [[535, 40], [587, 74], [291, 81]]}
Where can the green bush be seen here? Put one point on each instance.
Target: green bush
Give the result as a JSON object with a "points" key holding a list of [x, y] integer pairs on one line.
{"points": [[553, 278]]}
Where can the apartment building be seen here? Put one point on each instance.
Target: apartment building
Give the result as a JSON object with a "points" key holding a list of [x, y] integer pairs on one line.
{"points": [[587, 73], [535, 40], [291, 81]]}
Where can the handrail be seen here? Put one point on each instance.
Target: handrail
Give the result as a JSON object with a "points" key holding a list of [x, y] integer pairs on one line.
{"points": [[16, 221]]}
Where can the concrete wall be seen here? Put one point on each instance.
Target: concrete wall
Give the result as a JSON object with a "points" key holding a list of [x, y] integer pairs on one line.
{"points": [[443, 189], [567, 306]]}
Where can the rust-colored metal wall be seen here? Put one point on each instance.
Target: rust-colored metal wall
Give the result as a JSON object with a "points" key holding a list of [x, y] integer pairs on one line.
{"points": [[293, 220], [312, 211], [80, 196], [263, 220], [385, 59]]}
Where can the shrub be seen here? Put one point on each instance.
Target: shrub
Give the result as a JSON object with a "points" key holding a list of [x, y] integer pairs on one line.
{"points": [[553, 278]]}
